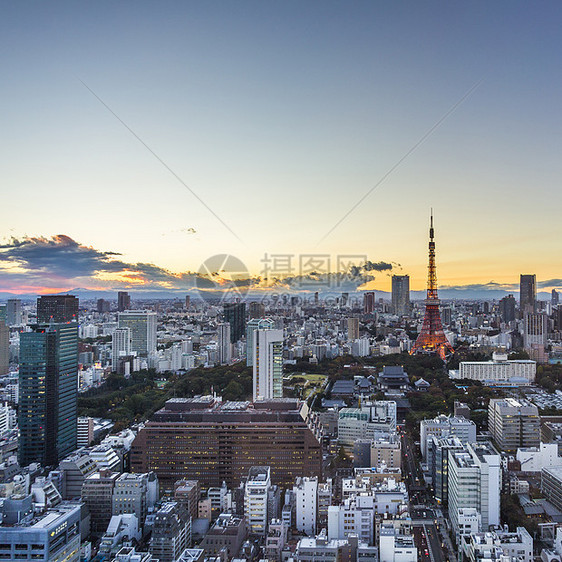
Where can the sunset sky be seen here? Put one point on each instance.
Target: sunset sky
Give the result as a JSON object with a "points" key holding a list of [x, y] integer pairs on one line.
{"points": [[279, 116]]}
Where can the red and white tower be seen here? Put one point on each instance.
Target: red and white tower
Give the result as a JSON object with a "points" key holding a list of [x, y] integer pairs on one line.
{"points": [[432, 338]]}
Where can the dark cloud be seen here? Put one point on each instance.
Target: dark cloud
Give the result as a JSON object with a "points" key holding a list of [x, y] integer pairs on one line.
{"points": [[379, 266], [60, 261], [549, 284], [490, 286]]}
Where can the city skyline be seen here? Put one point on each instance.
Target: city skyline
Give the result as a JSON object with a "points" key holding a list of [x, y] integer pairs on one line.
{"points": [[282, 118]]}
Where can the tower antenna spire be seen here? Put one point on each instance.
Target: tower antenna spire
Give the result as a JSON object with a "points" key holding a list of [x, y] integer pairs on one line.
{"points": [[432, 338]]}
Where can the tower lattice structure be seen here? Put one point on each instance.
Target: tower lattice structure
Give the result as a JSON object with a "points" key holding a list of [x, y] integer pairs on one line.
{"points": [[432, 338]]}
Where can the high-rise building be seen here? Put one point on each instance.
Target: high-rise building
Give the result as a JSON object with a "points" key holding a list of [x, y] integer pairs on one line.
{"points": [[224, 345], [235, 315], [256, 310], [352, 329], [142, 324], [445, 426], [123, 301], [401, 294], [85, 432], [507, 309], [4, 348], [253, 325], [57, 308], [103, 306], [305, 492], [255, 499], [268, 364], [474, 482], [535, 330], [13, 312], [120, 346], [177, 442], [555, 297], [513, 423], [48, 392], [369, 302], [187, 302], [527, 294]]}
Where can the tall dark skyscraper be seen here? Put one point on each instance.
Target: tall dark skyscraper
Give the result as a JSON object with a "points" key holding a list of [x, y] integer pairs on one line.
{"points": [[527, 294], [48, 391], [369, 302], [123, 301], [555, 297], [103, 306], [235, 315], [507, 309], [57, 308], [401, 294]]}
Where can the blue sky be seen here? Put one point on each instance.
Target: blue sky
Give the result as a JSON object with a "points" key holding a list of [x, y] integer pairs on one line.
{"points": [[281, 116]]}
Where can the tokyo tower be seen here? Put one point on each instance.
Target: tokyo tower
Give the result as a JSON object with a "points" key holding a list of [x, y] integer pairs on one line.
{"points": [[432, 339]]}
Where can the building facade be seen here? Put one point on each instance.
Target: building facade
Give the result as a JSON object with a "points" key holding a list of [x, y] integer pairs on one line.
{"points": [[48, 392]]}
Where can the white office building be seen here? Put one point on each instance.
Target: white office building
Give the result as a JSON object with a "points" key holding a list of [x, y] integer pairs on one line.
{"points": [[253, 325], [268, 364], [534, 459], [396, 546], [121, 346], [446, 426], [305, 493], [499, 372], [255, 499], [475, 482], [142, 324]]}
